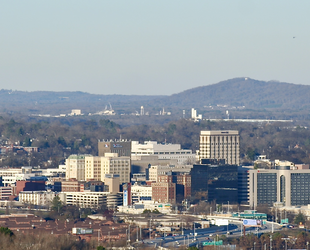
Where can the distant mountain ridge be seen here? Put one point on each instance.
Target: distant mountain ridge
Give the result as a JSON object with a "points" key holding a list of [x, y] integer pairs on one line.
{"points": [[242, 92], [246, 92]]}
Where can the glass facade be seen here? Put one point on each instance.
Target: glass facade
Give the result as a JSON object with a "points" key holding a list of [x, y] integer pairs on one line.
{"points": [[219, 181], [266, 188], [300, 188]]}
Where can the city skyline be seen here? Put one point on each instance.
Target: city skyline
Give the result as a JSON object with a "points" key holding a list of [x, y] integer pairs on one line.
{"points": [[150, 48]]}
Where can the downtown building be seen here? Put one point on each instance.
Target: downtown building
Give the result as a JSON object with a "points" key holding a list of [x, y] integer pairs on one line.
{"points": [[164, 151], [220, 145], [281, 185], [121, 147], [96, 167]]}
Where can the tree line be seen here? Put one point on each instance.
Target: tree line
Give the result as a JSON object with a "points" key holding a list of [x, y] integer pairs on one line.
{"points": [[59, 138]]}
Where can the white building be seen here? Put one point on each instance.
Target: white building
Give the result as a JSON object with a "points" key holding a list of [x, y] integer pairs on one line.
{"points": [[40, 198], [75, 167], [91, 199], [138, 208], [75, 112], [11, 180], [61, 170], [163, 151], [194, 115], [140, 193]]}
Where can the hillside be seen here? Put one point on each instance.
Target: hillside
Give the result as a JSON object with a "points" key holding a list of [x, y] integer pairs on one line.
{"points": [[56, 102], [242, 92], [252, 94]]}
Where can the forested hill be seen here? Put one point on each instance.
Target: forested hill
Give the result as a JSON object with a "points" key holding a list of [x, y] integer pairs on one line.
{"points": [[242, 92], [234, 92]]}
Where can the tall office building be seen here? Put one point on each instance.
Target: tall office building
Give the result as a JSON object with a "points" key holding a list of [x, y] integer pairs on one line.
{"points": [[215, 182], [220, 144]]}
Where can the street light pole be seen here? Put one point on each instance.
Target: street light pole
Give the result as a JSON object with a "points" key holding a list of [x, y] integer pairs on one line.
{"points": [[228, 208], [270, 242]]}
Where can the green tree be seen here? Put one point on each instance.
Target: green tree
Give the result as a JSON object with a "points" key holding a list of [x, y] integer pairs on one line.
{"points": [[155, 211], [62, 141], [300, 218], [6, 231], [193, 248], [56, 204], [27, 142]]}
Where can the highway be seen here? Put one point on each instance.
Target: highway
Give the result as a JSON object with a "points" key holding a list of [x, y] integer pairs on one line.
{"points": [[210, 234]]}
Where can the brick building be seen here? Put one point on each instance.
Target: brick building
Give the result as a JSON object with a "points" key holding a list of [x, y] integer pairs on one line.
{"points": [[164, 190]]}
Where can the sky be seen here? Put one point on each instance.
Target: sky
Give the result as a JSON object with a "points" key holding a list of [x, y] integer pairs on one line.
{"points": [[150, 47]]}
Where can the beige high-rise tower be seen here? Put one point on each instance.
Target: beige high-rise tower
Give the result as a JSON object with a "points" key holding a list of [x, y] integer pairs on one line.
{"points": [[220, 144]]}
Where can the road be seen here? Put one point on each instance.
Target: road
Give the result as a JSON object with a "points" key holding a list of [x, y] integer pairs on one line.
{"points": [[212, 234]]}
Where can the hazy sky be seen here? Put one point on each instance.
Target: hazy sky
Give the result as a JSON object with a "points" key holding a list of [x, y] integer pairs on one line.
{"points": [[150, 47]]}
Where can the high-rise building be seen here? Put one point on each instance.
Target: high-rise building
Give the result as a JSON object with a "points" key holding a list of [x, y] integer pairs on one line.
{"points": [[96, 167], [75, 167], [112, 181], [215, 182], [289, 187], [220, 144]]}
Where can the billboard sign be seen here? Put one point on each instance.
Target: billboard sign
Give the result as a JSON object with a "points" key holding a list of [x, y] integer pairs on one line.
{"points": [[125, 197], [252, 223], [221, 222]]}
